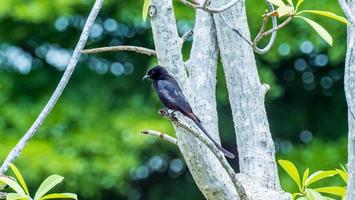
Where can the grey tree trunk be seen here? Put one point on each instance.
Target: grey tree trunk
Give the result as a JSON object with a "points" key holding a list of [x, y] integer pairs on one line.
{"points": [[349, 82], [197, 77]]}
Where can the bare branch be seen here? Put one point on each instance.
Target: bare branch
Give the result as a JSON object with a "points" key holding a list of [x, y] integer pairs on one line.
{"points": [[347, 11], [58, 91], [141, 50], [3, 195], [273, 36], [189, 4], [274, 29], [237, 31], [187, 35], [220, 9], [161, 135], [205, 6], [219, 155]]}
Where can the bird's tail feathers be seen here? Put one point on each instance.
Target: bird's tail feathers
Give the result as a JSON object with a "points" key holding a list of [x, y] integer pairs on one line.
{"points": [[198, 123]]}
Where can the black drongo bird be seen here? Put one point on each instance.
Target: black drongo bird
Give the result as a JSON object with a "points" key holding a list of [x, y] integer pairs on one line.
{"points": [[171, 96]]}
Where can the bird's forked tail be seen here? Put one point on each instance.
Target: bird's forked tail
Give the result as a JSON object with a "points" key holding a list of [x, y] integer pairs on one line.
{"points": [[198, 123]]}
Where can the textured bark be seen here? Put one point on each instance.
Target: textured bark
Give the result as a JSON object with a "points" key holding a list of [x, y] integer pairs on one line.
{"points": [[246, 95], [349, 82], [199, 89], [197, 78]]}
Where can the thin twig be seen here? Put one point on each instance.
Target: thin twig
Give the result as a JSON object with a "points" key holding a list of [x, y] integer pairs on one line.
{"points": [[141, 50], [274, 29], [205, 6], [161, 135], [219, 155], [236, 30], [347, 11], [187, 35], [3, 195], [189, 4], [263, 27], [58, 91], [220, 9], [206, 3]]}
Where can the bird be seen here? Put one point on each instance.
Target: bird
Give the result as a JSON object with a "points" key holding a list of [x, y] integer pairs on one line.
{"points": [[171, 96]]}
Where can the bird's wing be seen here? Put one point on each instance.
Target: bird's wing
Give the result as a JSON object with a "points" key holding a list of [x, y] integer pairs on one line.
{"points": [[172, 97]]}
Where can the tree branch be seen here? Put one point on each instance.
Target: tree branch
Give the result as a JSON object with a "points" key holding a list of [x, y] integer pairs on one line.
{"points": [[263, 34], [273, 36], [205, 6], [219, 9], [58, 91], [347, 11], [3, 195], [207, 171], [189, 4], [219, 155], [141, 50], [256, 149], [187, 35], [163, 136]]}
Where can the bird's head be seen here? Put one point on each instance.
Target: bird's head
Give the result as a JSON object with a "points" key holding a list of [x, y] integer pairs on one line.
{"points": [[156, 73]]}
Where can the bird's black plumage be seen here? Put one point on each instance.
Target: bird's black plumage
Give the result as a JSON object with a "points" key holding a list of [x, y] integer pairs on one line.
{"points": [[171, 96]]}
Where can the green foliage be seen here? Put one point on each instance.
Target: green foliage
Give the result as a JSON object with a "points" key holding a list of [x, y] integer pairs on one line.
{"points": [[92, 135], [22, 192], [307, 193], [289, 10]]}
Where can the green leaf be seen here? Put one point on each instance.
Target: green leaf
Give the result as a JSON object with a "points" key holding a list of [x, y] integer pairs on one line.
{"points": [[2, 185], [313, 195], [291, 170], [328, 198], [47, 185], [294, 195], [344, 169], [12, 184], [319, 29], [277, 2], [16, 196], [338, 191], [19, 177], [326, 14], [319, 175], [145, 9], [299, 2], [302, 198], [284, 10], [304, 179], [60, 196], [290, 2], [343, 175]]}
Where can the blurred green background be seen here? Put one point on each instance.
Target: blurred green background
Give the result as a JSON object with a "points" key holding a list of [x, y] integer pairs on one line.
{"points": [[92, 136]]}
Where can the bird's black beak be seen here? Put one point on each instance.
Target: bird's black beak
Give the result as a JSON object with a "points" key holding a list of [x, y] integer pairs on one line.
{"points": [[145, 77]]}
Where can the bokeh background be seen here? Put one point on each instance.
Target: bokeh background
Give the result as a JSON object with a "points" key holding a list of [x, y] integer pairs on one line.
{"points": [[92, 136]]}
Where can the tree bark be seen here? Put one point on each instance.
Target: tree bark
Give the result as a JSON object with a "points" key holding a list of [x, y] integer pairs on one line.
{"points": [[246, 95], [199, 89], [197, 77], [349, 82]]}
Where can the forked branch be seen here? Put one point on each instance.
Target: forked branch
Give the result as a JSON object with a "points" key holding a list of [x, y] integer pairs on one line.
{"points": [[219, 155]]}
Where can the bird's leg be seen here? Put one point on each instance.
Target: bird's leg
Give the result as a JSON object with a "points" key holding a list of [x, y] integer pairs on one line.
{"points": [[164, 112]]}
